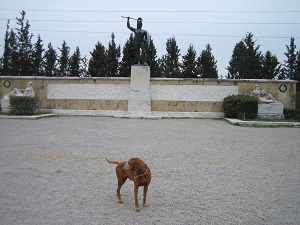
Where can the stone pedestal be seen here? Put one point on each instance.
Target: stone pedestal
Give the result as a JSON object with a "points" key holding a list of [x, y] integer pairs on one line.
{"points": [[270, 110], [139, 103]]}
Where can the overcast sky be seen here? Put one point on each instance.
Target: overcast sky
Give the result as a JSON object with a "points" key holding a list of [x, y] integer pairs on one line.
{"points": [[220, 23]]}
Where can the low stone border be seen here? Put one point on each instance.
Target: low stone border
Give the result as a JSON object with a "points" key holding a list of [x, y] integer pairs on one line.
{"points": [[262, 123], [33, 117]]}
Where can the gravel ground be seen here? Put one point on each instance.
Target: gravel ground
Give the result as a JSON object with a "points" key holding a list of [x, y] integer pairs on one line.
{"points": [[52, 171]]}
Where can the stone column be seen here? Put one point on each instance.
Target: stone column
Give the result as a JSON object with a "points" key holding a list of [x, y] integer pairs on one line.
{"points": [[139, 103]]}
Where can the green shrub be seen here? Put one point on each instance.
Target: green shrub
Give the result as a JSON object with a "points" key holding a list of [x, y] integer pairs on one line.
{"points": [[298, 100], [23, 105], [291, 114], [236, 106]]}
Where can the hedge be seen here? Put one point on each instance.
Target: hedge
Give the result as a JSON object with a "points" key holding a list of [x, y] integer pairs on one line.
{"points": [[240, 106], [23, 105]]}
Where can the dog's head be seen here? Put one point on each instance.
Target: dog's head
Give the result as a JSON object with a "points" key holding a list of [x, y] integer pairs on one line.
{"points": [[137, 164]]}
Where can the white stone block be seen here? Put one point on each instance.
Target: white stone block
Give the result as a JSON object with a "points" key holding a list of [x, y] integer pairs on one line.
{"points": [[270, 110], [5, 103]]}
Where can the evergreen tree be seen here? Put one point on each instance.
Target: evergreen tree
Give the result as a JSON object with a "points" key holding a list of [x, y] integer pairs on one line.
{"points": [[24, 47], [291, 62], [49, 62], [152, 60], [270, 66], [236, 68], [38, 57], [162, 66], [63, 69], [254, 58], [128, 58], [171, 59], [297, 74], [246, 61], [113, 54], [207, 65], [75, 62], [97, 66], [6, 60], [189, 63]]}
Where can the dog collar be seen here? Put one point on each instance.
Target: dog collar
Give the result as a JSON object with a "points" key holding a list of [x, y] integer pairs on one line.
{"points": [[143, 174]]}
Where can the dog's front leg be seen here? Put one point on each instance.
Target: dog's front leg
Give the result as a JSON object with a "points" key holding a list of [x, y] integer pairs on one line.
{"points": [[145, 196], [136, 201]]}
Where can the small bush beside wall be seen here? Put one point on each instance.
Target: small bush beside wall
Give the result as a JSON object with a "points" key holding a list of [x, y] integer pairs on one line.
{"points": [[23, 105], [236, 106]]}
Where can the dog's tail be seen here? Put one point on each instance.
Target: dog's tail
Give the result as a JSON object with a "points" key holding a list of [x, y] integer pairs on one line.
{"points": [[115, 162]]}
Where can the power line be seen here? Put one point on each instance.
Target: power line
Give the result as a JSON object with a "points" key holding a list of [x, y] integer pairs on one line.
{"points": [[160, 34], [154, 11], [165, 22]]}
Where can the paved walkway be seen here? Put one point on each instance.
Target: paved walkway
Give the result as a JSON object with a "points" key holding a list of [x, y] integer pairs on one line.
{"points": [[52, 171]]}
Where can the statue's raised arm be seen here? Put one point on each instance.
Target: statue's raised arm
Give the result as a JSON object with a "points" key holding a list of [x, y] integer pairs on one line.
{"points": [[128, 25]]}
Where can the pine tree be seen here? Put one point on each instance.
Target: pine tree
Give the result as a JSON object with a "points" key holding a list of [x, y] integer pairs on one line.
{"points": [[171, 59], [97, 66], [236, 68], [24, 47], [113, 54], [189, 63], [253, 58], [7, 54], [270, 66], [291, 62], [38, 57], [128, 58], [297, 73], [75, 62], [49, 62], [206, 64], [63, 69], [152, 60], [246, 60]]}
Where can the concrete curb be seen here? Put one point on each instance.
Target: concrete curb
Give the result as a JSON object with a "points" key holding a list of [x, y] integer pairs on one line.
{"points": [[33, 117], [262, 124]]}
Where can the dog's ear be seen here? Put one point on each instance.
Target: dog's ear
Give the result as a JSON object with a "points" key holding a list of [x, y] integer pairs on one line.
{"points": [[137, 165]]}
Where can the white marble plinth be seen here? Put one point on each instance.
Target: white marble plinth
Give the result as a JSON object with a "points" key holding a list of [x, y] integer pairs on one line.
{"points": [[139, 96], [5, 104], [270, 110]]}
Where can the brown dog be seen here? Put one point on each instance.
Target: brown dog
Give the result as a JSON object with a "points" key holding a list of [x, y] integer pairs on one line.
{"points": [[137, 171]]}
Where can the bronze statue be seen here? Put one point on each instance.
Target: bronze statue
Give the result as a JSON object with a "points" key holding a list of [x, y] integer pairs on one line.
{"points": [[141, 41]]}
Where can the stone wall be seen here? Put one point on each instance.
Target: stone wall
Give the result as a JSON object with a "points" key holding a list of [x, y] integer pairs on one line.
{"points": [[167, 95]]}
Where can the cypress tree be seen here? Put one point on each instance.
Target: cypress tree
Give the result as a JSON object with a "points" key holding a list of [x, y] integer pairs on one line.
{"points": [[207, 65], [270, 66], [63, 69], [49, 62], [128, 58], [189, 63], [170, 61], [97, 66], [25, 62], [291, 61], [113, 54], [75, 62], [152, 60], [38, 57]]}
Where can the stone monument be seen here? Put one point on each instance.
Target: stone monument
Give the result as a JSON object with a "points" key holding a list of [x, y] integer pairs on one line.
{"points": [[16, 92], [268, 106], [139, 103]]}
